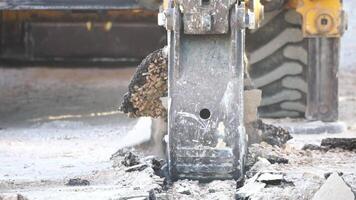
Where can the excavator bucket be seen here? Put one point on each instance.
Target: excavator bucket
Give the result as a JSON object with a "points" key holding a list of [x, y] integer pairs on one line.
{"points": [[206, 134]]}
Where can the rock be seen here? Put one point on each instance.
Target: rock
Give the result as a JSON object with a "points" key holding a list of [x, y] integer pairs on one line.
{"points": [[314, 147], [343, 143], [261, 164], [260, 180], [124, 156], [248, 190], [183, 190], [271, 178], [119, 153], [264, 150], [277, 159], [138, 167], [327, 175], [130, 159], [211, 190], [186, 192], [77, 182], [271, 134], [334, 188], [251, 187], [157, 165]]}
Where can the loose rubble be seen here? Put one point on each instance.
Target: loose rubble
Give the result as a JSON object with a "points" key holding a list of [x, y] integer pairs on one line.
{"points": [[314, 147], [271, 178], [267, 151], [332, 143], [343, 143], [272, 172], [258, 182], [13, 197], [130, 159], [77, 182], [261, 164], [271, 134]]}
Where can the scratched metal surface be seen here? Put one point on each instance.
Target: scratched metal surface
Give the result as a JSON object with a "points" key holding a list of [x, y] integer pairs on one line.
{"points": [[206, 72]]}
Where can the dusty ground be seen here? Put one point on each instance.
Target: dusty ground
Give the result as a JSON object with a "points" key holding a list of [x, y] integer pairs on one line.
{"points": [[58, 124]]}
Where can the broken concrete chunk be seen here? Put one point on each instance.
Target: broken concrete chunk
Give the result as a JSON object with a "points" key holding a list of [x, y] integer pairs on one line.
{"points": [[264, 150], [77, 182], [277, 159], [327, 175], [271, 178], [261, 164], [130, 159], [334, 188], [343, 143], [138, 167], [271, 134], [251, 187], [183, 189], [314, 147], [124, 156], [157, 165]]}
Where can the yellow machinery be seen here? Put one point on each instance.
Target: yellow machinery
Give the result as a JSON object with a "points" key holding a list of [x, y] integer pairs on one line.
{"points": [[293, 51], [294, 56], [92, 31], [292, 48], [323, 18]]}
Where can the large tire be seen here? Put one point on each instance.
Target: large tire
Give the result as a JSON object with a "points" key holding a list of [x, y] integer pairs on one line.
{"points": [[278, 59]]}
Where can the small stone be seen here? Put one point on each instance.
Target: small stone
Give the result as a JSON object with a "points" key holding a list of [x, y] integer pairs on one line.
{"points": [[184, 191], [130, 159], [334, 188], [277, 159], [211, 190], [157, 164], [77, 182]]}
